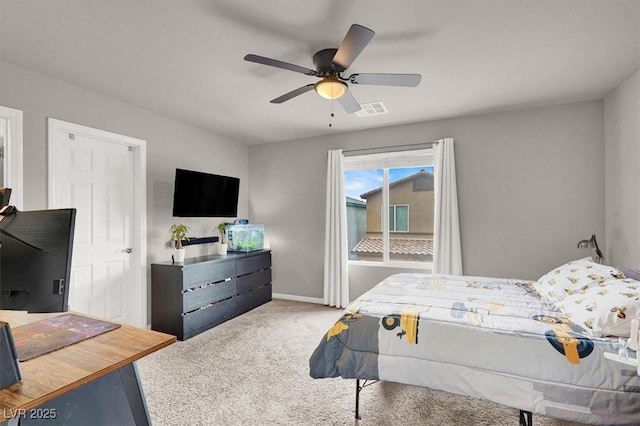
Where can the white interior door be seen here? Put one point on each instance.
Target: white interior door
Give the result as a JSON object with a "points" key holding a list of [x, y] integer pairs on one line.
{"points": [[95, 172]]}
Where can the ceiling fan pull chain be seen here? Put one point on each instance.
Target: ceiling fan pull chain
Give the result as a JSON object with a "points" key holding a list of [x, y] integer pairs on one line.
{"points": [[331, 115]]}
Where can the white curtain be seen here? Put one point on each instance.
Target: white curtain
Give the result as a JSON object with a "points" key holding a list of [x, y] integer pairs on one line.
{"points": [[447, 258], [336, 281]]}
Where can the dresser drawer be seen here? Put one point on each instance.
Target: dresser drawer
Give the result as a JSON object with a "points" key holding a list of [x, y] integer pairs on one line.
{"points": [[203, 319], [208, 272], [197, 298], [254, 298], [248, 282], [253, 263]]}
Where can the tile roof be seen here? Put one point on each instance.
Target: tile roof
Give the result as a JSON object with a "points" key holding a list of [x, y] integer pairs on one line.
{"points": [[396, 246]]}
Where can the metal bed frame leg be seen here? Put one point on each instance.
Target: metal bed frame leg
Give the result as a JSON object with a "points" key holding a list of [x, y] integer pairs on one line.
{"points": [[358, 389], [526, 418]]}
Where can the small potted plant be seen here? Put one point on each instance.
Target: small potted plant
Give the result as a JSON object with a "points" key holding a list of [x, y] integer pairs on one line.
{"points": [[222, 247], [178, 233]]}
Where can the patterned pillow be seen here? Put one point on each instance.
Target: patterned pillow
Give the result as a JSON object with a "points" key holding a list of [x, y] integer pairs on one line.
{"points": [[573, 277], [605, 309]]}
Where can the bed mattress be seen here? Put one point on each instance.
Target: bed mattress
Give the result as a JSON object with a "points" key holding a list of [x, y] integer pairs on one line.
{"points": [[489, 338]]}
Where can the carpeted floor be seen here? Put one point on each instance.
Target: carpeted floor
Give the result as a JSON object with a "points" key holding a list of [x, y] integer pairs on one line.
{"points": [[253, 370]]}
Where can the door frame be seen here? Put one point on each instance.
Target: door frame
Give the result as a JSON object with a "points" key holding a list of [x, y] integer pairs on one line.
{"points": [[139, 147], [13, 177]]}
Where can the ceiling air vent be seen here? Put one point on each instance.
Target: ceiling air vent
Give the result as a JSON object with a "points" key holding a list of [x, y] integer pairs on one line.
{"points": [[372, 108]]}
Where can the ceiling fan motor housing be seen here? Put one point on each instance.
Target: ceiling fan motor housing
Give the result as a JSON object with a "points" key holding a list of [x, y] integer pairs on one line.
{"points": [[323, 61]]}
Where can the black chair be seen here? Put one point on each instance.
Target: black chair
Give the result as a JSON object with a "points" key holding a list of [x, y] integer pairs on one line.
{"points": [[5, 194]]}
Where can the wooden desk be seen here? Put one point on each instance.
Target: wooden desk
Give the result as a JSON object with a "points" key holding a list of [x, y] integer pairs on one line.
{"points": [[60, 375]]}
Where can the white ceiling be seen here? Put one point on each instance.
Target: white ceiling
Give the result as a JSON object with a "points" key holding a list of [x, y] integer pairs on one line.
{"points": [[184, 59]]}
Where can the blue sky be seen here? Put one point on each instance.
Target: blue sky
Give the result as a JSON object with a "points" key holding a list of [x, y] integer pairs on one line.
{"points": [[358, 182]]}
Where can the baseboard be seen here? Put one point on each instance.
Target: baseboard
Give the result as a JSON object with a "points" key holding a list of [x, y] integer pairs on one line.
{"points": [[297, 298]]}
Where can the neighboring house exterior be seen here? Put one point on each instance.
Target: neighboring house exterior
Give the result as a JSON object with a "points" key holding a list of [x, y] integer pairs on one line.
{"points": [[410, 221], [357, 220]]}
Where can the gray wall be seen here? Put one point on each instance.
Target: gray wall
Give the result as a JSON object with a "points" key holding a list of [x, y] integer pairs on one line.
{"points": [[530, 185], [622, 182], [170, 144]]}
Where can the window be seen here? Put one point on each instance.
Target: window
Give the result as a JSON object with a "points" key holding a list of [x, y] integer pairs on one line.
{"points": [[399, 218], [389, 200]]}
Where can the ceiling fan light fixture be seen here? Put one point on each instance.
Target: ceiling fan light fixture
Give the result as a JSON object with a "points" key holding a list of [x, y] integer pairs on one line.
{"points": [[330, 88]]}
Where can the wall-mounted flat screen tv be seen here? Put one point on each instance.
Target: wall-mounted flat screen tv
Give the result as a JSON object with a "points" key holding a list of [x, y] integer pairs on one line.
{"points": [[197, 194]]}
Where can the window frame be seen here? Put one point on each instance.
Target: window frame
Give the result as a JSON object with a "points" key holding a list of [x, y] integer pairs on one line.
{"points": [[387, 161]]}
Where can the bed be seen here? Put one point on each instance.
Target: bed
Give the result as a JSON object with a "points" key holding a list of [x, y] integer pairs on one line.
{"points": [[537, 346]]}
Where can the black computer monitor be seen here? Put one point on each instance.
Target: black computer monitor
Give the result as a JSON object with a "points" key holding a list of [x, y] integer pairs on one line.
{"points": [[5, 194], [35, 260]]}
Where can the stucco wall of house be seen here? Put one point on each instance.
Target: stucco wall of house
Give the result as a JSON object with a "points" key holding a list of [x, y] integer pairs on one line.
{"points": [[356, 215], [420, 209]]}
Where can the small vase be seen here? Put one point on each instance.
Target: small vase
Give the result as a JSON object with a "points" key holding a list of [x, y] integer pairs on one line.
{"points": [[222, 249], [178, 255]]}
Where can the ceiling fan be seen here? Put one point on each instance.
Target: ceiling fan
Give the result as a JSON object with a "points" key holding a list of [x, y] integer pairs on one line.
{"points": [[331, 64]]}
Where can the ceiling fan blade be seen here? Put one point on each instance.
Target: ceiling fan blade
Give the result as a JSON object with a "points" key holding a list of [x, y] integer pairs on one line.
{"points": [[293, 94], [349, 103], [406, 80], [278, 64], [354, 42]]}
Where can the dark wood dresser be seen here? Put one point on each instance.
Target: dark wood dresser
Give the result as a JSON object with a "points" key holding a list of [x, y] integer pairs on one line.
{"points": [[189, 298]]}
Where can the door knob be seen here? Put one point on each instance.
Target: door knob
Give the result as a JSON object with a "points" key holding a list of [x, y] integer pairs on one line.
{"points": [[127, 250]]}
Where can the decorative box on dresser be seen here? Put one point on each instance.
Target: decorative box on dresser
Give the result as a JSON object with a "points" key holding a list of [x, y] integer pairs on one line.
{"points": [[191, 297]]}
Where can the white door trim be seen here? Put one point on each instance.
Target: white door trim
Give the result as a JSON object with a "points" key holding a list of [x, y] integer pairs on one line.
{"points": [[139, 147], [13, 155]]}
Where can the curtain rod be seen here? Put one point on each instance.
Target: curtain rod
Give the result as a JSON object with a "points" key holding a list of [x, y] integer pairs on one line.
{"points": [[390, 148]]}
